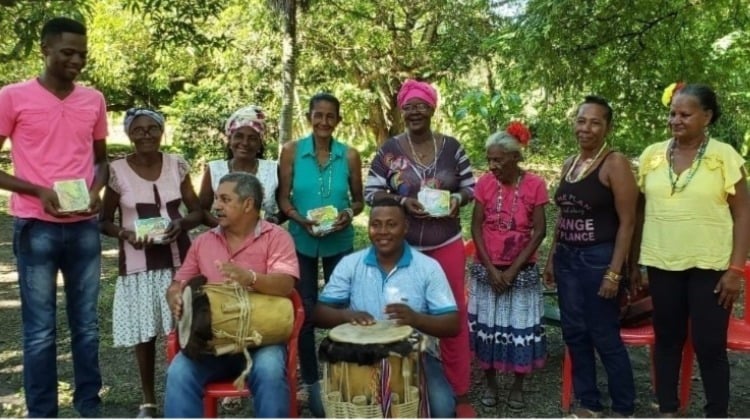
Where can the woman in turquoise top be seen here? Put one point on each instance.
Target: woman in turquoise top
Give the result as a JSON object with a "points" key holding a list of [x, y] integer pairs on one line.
{"points": [[318, 171]]}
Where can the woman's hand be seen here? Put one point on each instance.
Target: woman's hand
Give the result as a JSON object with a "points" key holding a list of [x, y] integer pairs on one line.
{"points": [[455, 206], [343, 220], [728, 288], [548, 276], [496, 279], [173, 231], [415, 208], [132, 239], [608, 288]]}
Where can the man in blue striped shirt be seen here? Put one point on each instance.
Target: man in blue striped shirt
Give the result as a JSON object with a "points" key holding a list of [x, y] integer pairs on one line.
{"points": [[391, 280]]}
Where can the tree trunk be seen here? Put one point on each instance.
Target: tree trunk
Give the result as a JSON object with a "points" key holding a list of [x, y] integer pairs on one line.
{"points": [[288, 71]]}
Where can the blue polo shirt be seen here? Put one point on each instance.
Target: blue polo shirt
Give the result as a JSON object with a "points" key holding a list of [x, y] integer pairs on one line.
{"points": [[359, 283], [314, 186]]}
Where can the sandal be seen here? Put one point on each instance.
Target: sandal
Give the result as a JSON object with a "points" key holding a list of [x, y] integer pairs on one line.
{"points": [[232, 405], [584, 413], [146, 411], [489, 397], [515, 400]]}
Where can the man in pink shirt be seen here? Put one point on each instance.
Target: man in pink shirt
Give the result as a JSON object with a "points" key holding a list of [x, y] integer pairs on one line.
{"points": [[260, 256], [57, 129]]}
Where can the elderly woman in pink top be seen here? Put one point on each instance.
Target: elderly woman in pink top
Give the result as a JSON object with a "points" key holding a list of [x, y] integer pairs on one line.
{"points": [[505, 293], [147, 184], [419, 168]]}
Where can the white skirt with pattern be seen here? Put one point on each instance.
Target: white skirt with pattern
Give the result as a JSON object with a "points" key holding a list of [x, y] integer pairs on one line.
{"points": [[140, 310]]}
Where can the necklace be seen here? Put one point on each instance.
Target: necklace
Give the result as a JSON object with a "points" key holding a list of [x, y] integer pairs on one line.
{"points": [[587, 165], [690, 171], [417, 159], [509, 224]]}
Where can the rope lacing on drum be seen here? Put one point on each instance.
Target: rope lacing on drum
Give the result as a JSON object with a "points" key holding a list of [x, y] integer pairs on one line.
{"points": [[244, 336]]}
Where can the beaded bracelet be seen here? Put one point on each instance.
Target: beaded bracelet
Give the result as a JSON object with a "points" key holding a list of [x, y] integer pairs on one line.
{"points": [[349, 211]]}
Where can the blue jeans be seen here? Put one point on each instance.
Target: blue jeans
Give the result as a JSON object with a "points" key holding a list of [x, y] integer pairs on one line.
{"points": [[307, 286], [42, 249], [441, 396], [590, 322], [267, 381]]}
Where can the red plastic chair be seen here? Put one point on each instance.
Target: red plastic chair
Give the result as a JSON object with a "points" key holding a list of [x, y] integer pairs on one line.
{"points": [[215, 390], [636, 336]]}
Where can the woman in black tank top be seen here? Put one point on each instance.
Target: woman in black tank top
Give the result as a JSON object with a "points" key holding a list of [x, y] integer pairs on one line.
{"points": [[597, 202]]}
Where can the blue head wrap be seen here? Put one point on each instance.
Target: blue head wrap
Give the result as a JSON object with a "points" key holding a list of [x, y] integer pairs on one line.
{"points": [[132, 113]]}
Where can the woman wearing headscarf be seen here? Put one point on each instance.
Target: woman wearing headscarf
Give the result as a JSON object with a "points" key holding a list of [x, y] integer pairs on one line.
{"points": [[505, 291], [147, 184], [422, 163], [696, 234], [245, 130]]}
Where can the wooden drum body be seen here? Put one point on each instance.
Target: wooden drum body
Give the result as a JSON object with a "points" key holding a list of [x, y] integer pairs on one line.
{"points": [[371, 371], [225, 318]]}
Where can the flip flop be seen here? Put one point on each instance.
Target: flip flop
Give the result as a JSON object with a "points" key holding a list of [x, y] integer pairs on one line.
{"points": [[146, 411], [489, 398], [515, 400]]}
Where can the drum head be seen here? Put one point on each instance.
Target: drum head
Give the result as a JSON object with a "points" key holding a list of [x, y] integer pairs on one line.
{"points": [[382, 332], [186, 320]]}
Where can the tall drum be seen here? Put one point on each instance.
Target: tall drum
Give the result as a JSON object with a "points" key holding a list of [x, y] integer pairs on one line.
{"points": [[371, 371]]}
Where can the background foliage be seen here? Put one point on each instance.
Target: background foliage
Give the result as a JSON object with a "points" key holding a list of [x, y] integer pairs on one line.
{"points": [[493, 61]]}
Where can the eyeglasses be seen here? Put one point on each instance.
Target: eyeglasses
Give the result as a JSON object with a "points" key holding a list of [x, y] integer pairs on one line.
{"points": [[153, 131], [421, 107]]}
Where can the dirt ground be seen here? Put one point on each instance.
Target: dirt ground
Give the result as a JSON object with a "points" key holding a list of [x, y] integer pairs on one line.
{"points": [[121, 393]]}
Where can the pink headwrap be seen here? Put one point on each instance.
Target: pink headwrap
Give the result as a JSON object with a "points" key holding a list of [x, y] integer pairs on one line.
{"points": [[414, 89]]}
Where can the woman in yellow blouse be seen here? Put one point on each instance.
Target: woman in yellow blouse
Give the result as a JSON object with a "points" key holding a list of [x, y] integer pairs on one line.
{"points": [[695, 239]]}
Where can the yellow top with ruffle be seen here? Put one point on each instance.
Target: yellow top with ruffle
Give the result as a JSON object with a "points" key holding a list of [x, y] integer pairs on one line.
{"points": [[691, 228]]}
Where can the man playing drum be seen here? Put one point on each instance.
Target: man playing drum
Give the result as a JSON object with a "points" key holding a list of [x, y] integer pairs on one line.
{"points": [[365, 285], [256, 254]]}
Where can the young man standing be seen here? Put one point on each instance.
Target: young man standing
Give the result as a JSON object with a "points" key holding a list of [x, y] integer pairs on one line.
{"points": [[57, 129]]}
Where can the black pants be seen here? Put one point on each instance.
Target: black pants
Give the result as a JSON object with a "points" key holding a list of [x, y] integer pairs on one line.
{"points": [[679, 296]]}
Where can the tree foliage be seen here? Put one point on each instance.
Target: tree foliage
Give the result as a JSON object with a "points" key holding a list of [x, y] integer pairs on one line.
{"points": [[493, 61]]}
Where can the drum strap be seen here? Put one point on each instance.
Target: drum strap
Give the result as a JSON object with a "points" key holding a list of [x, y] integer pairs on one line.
{"points": [[385, 386]]}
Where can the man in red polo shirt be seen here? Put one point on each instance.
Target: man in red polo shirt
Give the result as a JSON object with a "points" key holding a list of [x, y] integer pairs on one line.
{"points": [[257, 254]]}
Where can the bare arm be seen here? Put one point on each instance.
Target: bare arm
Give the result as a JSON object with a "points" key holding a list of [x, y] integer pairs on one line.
{"points": [[539, 223], [622, 182], [739, 205], [101, 175], [107, 214], [730, 284], [206, 198], [477, 220], [355, 180], [195, 215]]}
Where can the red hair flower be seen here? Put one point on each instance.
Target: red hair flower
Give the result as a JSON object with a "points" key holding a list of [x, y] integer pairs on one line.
{"points": [[519, 131]]}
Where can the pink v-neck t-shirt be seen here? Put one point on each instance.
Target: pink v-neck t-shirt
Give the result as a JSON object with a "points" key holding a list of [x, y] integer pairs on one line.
{"points": [[51, 139]]}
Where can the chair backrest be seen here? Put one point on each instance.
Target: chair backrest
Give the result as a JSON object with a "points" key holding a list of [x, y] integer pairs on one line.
{"points": [[469, 248]]}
